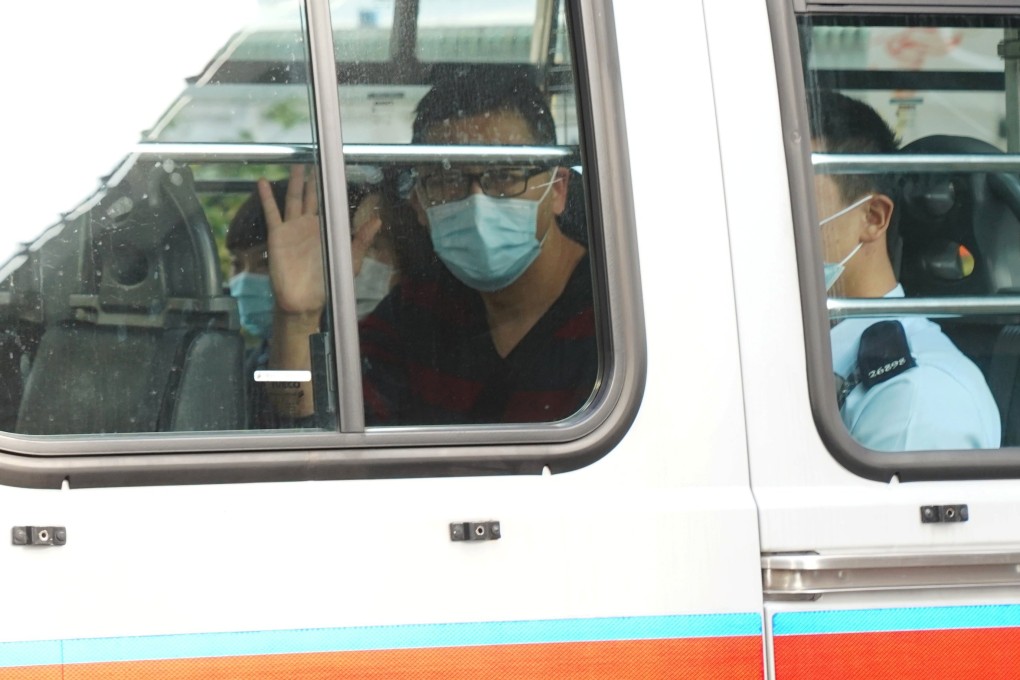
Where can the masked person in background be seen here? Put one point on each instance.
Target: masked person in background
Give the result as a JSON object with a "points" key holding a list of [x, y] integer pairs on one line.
{"points": [[251, 286], [249, 269], [504, 331], [903, 384]]}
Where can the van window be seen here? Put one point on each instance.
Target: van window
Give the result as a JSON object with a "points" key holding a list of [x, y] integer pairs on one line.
{"points": [[914, 237], [192, 291], [481, 276], [141, 308]]}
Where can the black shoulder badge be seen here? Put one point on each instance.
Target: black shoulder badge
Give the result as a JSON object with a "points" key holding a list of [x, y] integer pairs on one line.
{"points": [[884, 353]]}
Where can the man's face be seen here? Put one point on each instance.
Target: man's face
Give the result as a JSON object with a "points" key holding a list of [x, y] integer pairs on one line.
{"points": [[497, 128]]}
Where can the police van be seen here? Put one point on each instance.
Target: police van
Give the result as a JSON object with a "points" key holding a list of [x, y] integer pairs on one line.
{"points": [[705, 510]]}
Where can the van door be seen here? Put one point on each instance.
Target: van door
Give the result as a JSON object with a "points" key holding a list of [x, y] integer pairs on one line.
{"points": [[878, 561]]}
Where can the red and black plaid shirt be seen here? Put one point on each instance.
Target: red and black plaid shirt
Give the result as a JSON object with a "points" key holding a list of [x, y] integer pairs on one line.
{"points": [[428, 359]]}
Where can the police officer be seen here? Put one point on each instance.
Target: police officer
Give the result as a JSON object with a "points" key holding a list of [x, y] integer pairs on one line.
{"points": [[905, 386]]}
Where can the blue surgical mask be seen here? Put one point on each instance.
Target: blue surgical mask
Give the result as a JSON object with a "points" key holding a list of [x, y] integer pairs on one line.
{"points": [[486, 242], [833, 270], [254, 295]]}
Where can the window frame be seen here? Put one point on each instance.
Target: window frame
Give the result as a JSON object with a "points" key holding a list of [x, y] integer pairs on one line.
{"points": [[353, 451], [874, 465]]}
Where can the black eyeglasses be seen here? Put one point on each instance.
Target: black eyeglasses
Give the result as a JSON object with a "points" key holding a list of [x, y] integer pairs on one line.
{"points": [[453, 185]]}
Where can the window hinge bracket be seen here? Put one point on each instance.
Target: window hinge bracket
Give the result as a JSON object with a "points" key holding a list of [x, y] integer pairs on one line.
{"points": [[475, 531], [38, 535]]}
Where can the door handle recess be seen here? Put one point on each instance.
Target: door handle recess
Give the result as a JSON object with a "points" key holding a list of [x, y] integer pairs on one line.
{"points": [[807, 576]]}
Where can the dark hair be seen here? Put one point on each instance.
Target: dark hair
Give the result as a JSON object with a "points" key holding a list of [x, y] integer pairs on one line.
{"points": [[472, 91], [248, 226], [840, 124]]}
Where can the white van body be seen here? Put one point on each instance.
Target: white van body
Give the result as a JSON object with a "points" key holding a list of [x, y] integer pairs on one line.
{"points": [[648, 562]]}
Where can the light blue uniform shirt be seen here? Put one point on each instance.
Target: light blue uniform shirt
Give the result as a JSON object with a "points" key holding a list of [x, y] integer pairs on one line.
{"points": [[942, 403]]}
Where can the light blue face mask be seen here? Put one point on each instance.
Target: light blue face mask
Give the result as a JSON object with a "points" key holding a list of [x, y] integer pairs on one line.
{"points": [[833, 270], [371, 285], [254, 295], [486, 242]]}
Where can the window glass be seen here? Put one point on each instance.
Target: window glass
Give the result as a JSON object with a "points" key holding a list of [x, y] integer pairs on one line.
{"points": [[145, 305], [255, 89], [467, 31], [378, 113], [157, 301], [918, 76], [361, 29], [920, 255], [561, 45], [251, 87], [473, 273]]}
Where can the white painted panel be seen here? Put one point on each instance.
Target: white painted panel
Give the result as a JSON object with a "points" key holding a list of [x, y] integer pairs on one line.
{"points": [[665, 524]]}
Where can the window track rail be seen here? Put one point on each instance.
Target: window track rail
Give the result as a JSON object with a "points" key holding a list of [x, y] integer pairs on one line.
{"points": [[360, 153]]}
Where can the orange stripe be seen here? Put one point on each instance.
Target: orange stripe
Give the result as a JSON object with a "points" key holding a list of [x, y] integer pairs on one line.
{"points": [[736, 658], [31, 673], [975, 654]]}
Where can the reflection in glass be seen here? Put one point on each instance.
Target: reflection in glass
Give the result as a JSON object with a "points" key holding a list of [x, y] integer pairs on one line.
{"points": [[467, 31]]}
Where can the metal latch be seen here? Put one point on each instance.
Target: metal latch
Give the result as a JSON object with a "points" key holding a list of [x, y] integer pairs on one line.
{"points": [[38, 535], [1009, 49], [475, 531], [932, 514]]}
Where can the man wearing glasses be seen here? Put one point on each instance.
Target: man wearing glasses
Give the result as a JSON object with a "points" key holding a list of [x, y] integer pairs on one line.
{"points": [[503, 331]]}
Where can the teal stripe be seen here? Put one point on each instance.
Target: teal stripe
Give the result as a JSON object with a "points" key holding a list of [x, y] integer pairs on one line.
{"points": [[894, 620], [46, 653], [204, 645]]}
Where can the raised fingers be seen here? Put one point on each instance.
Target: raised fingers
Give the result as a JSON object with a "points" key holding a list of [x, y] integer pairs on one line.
{"points": [[269, 206], [311, 206], [294, 206]]}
